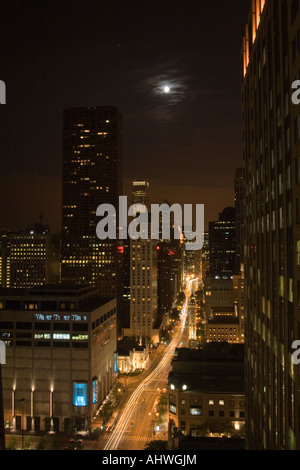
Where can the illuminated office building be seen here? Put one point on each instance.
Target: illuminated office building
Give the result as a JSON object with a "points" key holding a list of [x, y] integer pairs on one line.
{"points": [[239, 198], [30, 258], [222, 245], [271, 149], [143, 279], [92, 175], [206, 390]]}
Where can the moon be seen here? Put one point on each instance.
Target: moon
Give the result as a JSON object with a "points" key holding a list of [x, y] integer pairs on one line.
{"points": [[166, 89]]}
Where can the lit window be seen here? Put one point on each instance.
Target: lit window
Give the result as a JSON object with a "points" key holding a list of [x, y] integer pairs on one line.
{"points": [[221, 402], [79, 394]]}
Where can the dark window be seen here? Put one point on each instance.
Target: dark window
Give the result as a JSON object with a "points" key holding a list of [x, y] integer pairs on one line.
{"points": [[23, 343], [80, 327], [42, 326], [221, 413], [6, 324], [61, 326], [61, 344], [23, 335], [211, 413], [80, 345], [23, 325], [42, 344], [297, 128], [294, 9], [37, 423]]}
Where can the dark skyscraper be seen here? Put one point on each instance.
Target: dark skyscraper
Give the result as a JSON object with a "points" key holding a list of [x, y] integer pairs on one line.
{"points": [[239, 190], [222, 251], [272, 277], [92, 175]]}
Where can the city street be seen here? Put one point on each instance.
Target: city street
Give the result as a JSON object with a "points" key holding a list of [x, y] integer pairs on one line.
{"points": [[135, 420]]}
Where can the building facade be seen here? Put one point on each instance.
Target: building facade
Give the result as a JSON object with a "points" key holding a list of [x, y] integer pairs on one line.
{"points": [[222, 245], [271, 148], [206, 390], [30, 258], [60, 356], [143, 276]]}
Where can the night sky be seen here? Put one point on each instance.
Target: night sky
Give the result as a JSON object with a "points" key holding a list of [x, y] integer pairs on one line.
{"points": [[56, 54]]}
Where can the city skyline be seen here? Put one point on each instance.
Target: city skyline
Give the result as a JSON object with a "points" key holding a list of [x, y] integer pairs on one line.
{"points": [[150, 225], [47, 68]]}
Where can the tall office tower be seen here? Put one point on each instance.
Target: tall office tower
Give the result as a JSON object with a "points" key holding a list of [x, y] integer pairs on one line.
{"points": [[169, 273], [271, 149], [222, 250], [239, 190], [140, 193], [92, 175], [204, 257], [30, 258], [192, 310], [143, 279]]}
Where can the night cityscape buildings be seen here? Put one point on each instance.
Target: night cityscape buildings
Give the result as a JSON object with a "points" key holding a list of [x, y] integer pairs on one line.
{"points": [[92, 175], [53, 335], [271, 153], [30, 258], [141, 343]]}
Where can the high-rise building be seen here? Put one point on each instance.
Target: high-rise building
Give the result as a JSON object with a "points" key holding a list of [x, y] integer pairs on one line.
{"points": [[140, 193], [169, 273], [60, 356], [204, 260], [271, 149], [92, 175], [30, 258], [206, 390], [192, 322], [222, 247], [239, 189], [143, 278]]}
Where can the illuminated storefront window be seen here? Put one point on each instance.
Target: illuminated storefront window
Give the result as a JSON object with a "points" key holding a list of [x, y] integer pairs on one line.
{"points": [[80, 394], [95, 391]]}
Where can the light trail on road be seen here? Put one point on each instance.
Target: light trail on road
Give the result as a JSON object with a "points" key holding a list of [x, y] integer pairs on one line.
{"points": [[117, 433]]}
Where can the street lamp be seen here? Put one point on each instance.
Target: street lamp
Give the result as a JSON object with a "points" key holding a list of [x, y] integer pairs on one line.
{"points": [[2, 430], [22, 400]]}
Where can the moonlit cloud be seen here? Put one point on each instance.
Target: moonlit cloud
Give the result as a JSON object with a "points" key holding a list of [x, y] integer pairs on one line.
{"points": [[177, 84]]}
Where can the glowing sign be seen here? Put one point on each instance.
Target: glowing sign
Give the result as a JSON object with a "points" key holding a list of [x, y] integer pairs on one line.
{"points": [[95, 391], [80, 394]]}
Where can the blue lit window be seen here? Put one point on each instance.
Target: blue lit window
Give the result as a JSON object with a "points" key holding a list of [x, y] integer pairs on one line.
{"points": [[95, 394], [80, 394]]}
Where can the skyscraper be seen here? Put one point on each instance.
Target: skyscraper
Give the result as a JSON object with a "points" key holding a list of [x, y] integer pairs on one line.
{"points": [[143, 278], [222, 251], [239, 189], [29, 258], [92, 175], [271, 146]]}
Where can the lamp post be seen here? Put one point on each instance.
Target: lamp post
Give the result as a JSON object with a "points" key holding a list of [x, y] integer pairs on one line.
{"points": [[22, 430], [2, 430]]}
